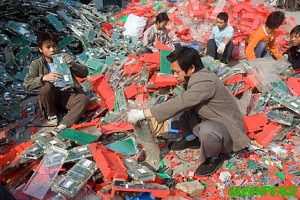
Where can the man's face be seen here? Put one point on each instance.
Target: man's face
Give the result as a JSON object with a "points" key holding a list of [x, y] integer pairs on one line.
{"points": [[179, 74], [48, 49], [221, 23], [295, 39]]}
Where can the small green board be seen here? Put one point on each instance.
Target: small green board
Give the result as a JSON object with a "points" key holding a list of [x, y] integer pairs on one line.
{"points": [[78, 136], [165, 66]]}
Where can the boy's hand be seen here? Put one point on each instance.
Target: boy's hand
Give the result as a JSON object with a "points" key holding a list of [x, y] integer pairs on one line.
{"points": [[52, 76], [69, 59]]}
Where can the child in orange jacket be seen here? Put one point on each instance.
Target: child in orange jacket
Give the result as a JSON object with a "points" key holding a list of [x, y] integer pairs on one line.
{"points": [[262, 43]]}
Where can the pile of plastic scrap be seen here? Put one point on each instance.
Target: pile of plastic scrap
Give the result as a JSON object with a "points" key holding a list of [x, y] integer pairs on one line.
{"points": [[191, 21], [104, 157]]}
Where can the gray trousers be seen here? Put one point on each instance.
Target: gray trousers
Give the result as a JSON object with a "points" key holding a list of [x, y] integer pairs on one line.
{"points": [[213, 136], [53, 101]]}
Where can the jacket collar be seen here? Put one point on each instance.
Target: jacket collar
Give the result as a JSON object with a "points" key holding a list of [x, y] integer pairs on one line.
{"points": [[187, 78]]}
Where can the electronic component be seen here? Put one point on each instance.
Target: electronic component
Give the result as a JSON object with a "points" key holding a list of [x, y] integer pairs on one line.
{"points": [[70, 183], [55, 22], [63, 69], [137, 171], [79, 152], [286, 99], [47, 140], [34, 152]]}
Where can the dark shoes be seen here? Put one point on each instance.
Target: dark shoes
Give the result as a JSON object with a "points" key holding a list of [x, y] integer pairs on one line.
{"points": [[209, 166], [184, 144]]}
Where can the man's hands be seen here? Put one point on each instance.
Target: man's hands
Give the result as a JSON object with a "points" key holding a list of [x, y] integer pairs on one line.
{"points": [[135, 115], [52, 76], [69, 59], [221, 48]]}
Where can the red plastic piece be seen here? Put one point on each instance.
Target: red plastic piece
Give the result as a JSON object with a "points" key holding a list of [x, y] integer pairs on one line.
{"points": [[266, 135], [132, 68], [255, 122], [116, 127], [159, 193], [163, 80], [151, 58], [109, 162], [131, 91], [293, 84], [234, 79], [256, 22], [106, 28], [104, 90], [93, 122], [13, 155], [161, 46]]}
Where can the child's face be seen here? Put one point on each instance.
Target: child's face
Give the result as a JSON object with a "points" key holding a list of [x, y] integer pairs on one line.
{"points": [[48, 49], [161, 25], [221, 23], [295, 39]]}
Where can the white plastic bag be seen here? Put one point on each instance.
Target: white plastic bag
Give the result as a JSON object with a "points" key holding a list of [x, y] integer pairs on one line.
{"points": [[134, 25]]}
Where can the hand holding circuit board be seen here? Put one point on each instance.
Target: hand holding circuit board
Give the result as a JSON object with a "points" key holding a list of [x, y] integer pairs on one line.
{"points": [[52, 77], [63, 62], [69, 59]]}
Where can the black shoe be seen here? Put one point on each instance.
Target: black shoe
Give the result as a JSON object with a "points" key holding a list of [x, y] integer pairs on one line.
{"points": [[209, 167], [184, 144]]}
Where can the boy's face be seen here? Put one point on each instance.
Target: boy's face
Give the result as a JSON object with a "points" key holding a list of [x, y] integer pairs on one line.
{"points": [[178, 73], [295, 39], [221, 23], [48, 49]]}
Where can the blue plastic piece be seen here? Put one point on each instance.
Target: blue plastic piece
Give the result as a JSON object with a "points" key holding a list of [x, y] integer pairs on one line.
{"points": [[232, 160], [170, 130], [194, 46], [142, 196]]}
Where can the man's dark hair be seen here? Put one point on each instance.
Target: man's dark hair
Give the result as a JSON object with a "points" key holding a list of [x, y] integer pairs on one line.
{"points": [[161, 17], [186, 57], [223, 16], [45, 36], [275, 19], [295, 30]]}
